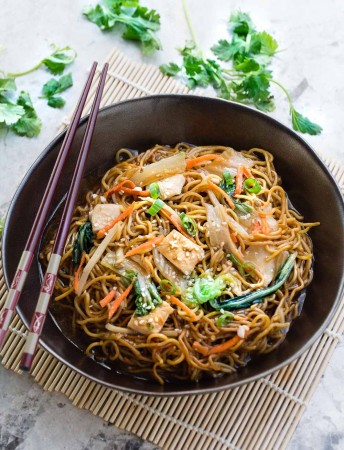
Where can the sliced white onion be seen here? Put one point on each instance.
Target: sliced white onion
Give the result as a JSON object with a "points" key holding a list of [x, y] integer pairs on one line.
{"points": [[159, 170]]}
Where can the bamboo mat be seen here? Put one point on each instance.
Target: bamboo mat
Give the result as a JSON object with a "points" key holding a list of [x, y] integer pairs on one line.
{"points": [[259, 415]]}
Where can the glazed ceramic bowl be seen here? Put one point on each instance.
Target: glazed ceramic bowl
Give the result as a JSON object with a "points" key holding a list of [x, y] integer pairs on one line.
{"points": [[169, 119]]}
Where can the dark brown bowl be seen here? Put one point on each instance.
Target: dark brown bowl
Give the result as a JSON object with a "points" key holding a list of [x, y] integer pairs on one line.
{"points": [[169, 119]]}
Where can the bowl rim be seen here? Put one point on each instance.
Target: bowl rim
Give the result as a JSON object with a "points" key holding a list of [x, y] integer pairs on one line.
{"points": [[197, 390]]}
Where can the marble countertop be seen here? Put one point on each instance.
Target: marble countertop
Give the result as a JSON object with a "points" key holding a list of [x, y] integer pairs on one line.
{"points": [[311, 35]]}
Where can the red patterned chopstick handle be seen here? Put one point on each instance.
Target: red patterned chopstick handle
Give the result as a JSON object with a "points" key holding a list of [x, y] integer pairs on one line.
{"points": [[40, 312], [14, 293]]}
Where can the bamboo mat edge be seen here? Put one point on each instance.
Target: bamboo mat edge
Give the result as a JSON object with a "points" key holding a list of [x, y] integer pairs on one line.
{"points": [[259, 415]]}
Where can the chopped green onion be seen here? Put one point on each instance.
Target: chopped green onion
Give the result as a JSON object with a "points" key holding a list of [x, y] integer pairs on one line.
{"points": [[168, 287], [242, 208], [245, 269], [252, 186], [189, 224], [227, 184], [154, 190], [222, 320], [155, 208]]}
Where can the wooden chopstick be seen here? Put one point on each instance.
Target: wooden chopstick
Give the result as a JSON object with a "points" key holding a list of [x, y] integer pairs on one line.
{"points": [[41, 215], [48, 283]]}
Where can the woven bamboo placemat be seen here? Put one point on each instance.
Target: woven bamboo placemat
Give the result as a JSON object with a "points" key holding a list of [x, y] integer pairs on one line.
{"points": [[259, 415]]}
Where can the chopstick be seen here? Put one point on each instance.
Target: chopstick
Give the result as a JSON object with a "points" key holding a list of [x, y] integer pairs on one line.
{"points": [[41, 215], [48, 283]]}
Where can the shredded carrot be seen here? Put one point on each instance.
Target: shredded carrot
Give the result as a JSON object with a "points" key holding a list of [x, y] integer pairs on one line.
{"points": [[174, 222], [264, 224], [216, 188], [239, 180], [182, 306], [206, 351], [77, 273], [145, 247], [115, 305], [234, 238], [129, 189], [108, 298], [201, 159], [247, 172], [101, 233]]}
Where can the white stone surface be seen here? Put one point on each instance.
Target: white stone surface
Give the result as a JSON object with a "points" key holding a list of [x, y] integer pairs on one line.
{"points": [[311, 34]]}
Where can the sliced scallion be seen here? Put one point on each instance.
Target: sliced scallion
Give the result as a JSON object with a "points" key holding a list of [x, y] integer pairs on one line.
{"points": [[189, 224], [252, 186], [168, 287], [154, 190], [224, 319], [155, 208]]}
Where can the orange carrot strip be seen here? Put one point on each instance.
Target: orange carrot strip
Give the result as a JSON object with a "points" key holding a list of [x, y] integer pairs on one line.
{"points": [[115, 305], [130, 189], [108, 298], [239, 180], [234, 238], [216, 188], [201, 159], [264, 224], [101, 233], [145, 247], [174, 222], [182, 306], [206, 351], [247, 172], [77, 273]]}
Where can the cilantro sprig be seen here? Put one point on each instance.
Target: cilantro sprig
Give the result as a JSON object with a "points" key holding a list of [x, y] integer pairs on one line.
{"points": [[56, 62], [248, 78], [140, 23], [17, 115], [53, 87]]}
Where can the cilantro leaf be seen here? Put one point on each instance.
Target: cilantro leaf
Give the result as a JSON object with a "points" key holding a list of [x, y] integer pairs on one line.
{"points": [[29, 124], [56, 101], [247, 65], [228, 51], [240, 23], [54, 86], [303, 124], [10, 113], [7, 85], [59, 59], [140, 23], [269, 45], [170, 69]]}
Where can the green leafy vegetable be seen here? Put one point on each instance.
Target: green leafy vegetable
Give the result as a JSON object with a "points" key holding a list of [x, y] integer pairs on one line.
{"points": [[10, 113], [140, 23], [147, 296], [245, 301], [248, 79], [242, 208], [189, 224], [56, 62], [224, 319], [53, 87], [83, 242], [7, 85], [29, 123], [252, 186], [227, 184]]}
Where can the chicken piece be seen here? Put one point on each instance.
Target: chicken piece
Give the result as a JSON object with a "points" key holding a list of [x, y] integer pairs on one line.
{"points": [[181, 252], [171, 186], [152, 322], [102, 215], [257, 255]]}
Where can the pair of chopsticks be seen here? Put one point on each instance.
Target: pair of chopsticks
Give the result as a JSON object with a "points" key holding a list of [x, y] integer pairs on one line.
{"points": [[24, 265]]}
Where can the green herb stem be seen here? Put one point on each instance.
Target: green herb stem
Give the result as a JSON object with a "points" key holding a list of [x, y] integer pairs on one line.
{"points": [[21, 74], [284, 90], [189, 23]]}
